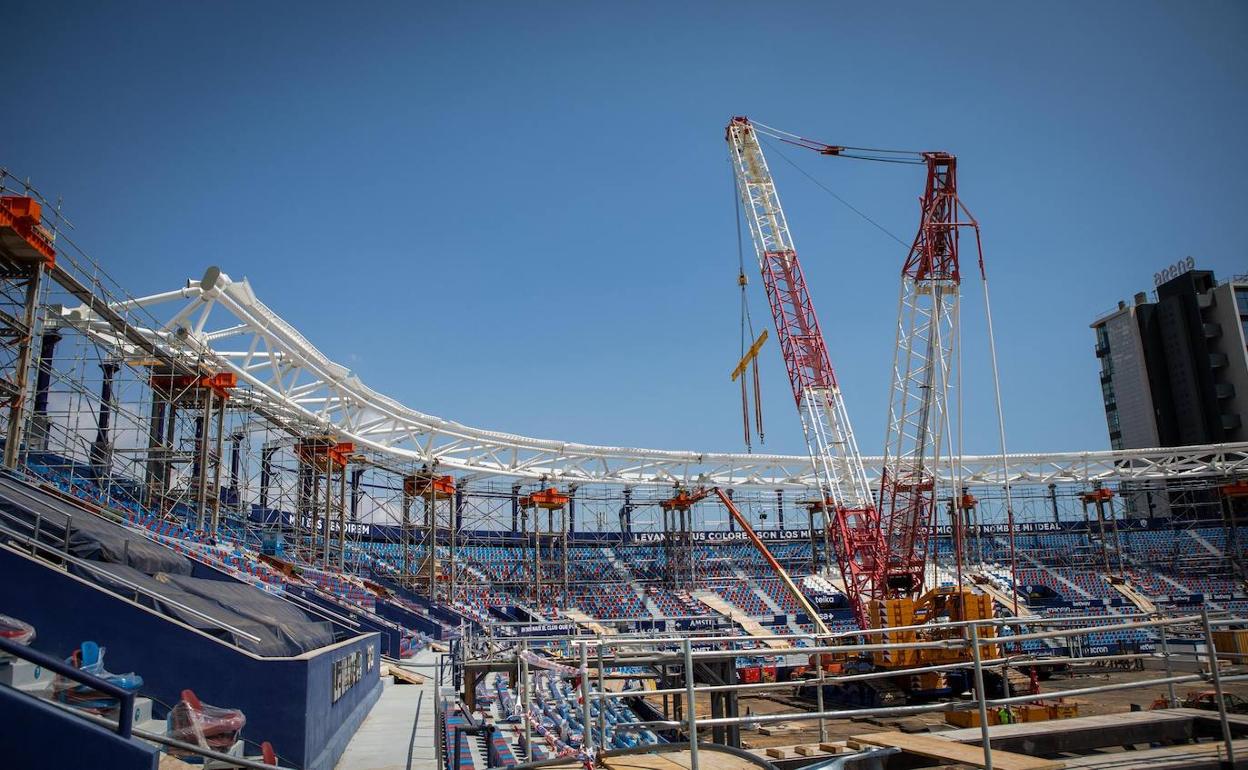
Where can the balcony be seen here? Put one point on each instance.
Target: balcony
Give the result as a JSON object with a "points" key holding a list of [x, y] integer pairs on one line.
{"points": [[1231, 421], [1212, 330], [1217, 360], [1224, 390]]}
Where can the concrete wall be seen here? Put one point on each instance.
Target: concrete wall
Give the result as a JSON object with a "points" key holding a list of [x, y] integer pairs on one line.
{"points": [[287, 701], [34, 733]]}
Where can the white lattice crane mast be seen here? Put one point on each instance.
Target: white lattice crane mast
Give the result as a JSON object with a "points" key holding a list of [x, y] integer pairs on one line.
{"points": [[924, 378], [849, 510]]}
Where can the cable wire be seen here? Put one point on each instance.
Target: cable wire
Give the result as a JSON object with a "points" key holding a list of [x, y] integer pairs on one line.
{"points": [[747, 322], [841, 200], [782, 135]]}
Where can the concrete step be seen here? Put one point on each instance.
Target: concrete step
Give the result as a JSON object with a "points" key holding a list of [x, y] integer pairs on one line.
{"points": [[142, 713], [152, 725], [142, 710], [26, 676], [157, 726], [237, 750]]}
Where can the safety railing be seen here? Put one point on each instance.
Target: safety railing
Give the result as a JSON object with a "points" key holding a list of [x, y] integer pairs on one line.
{"points": [[35, 544], [125, 714], [125, 698], [63, 555], [675, 651]]}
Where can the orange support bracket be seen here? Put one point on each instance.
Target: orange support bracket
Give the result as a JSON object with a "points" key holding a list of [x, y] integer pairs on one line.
{"points": [[683, 500], [220, 383], [429, 486], [325, 451], [1235, 489], [21, 235], [1097, 495], [749, 356], [550, 499]]}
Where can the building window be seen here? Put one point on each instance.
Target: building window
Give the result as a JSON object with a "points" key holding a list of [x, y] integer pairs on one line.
{"points": [[1102, 340], [1241, 299], [1107, 393]]}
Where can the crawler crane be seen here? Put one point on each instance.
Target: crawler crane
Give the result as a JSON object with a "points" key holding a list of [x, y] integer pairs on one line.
{"points": [[879, 540]]}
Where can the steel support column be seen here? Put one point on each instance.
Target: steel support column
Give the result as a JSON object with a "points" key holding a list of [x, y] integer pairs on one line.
{"points": [[21, 369]]}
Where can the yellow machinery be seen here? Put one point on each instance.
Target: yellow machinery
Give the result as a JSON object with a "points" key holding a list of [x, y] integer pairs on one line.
{"points": [[951, 604]]}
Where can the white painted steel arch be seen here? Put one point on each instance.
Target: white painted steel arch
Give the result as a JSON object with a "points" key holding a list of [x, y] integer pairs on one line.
{"points": [[221, 321]]}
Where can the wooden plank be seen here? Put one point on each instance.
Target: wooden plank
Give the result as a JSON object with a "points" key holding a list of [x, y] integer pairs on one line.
{"points": [[1099, 722], [650, 761], [832, 748], [1084, 734], [405, 676], [778, 752], [677, 760], [949, 751], [1199, 756], [1238, 721], [802, 749]]}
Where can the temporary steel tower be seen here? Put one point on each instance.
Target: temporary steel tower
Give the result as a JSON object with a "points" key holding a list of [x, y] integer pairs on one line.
{"points": [[854, 520]]}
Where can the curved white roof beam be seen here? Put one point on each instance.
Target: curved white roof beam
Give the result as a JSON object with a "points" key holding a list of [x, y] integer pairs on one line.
{"points": [[284, 374]]}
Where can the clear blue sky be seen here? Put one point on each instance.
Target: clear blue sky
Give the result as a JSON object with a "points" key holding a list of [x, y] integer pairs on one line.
{"points": [[519, 215]]}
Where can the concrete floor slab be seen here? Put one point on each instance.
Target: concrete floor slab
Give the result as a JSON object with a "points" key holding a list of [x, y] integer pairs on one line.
{"points": [[394, 736]]}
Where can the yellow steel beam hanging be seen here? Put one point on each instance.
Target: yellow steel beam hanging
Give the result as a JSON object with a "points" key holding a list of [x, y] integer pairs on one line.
{"points": [[749, 354]]}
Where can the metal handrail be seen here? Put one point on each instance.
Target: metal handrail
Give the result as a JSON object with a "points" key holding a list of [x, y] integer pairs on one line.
{"points": [[691, 722], [84, 564], [303, 604], [125, 718], [308, 606], [300, 602], [165, 740]]}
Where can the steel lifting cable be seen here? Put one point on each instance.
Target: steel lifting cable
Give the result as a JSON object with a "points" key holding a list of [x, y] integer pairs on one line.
{"points": [[758, 402], [915, 157], [1005, 461], [747, 322], [835, 196]]}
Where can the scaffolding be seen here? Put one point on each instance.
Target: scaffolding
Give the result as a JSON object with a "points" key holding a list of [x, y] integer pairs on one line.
{"points": [[116, 400], [679, 563], [549, 546]]}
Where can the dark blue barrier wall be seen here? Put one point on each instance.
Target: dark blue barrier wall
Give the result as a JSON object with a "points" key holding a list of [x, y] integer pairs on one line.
{"points": [[390, 637], [330, 725], [286, 700], [34, 733], [409, 619], [436, 612]]}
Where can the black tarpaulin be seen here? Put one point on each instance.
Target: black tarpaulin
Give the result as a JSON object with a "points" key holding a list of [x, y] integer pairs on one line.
{"points": [[280, 633], [90, 537]]}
